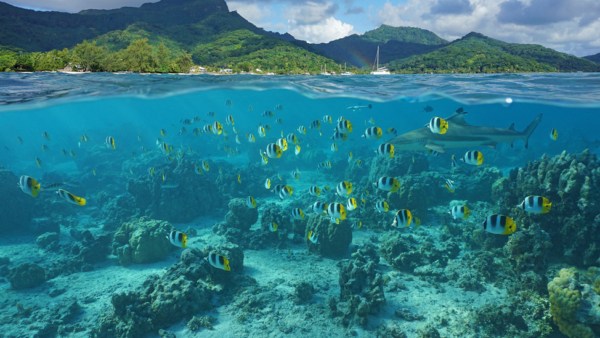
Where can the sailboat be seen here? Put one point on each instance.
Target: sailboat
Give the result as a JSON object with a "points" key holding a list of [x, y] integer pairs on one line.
{"points": [[379, 70], [345, 72]]}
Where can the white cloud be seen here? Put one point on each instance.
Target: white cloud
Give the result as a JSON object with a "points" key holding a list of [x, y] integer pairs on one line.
{"points": [[252, 11], [565, 35], [323, 31], [76, 5]]}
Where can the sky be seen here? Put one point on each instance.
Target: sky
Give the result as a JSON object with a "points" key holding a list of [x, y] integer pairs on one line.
{"points": [[569, 26]]}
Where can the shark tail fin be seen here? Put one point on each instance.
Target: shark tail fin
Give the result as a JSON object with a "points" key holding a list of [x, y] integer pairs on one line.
{"points": [[530, 128]]}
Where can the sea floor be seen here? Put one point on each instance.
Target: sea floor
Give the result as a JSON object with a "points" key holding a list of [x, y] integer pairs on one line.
{"points": [[413, 302]]}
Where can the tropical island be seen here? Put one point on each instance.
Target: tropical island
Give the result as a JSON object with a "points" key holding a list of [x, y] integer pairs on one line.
{"points": [[197, 36]]}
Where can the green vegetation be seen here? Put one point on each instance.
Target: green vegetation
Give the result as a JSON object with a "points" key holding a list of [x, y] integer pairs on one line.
{"points": [[386, 33], [594, 58], [476, 53]]}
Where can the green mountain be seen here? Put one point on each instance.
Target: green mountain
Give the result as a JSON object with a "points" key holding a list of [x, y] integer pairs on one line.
{"points": [[394, 43], [595, 58], [477, 53]]}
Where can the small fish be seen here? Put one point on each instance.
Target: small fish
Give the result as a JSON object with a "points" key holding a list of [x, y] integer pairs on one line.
{"points": [[357, 224], [295, 174], [319, 207], [164, 176], [20, 139], [196, 131], [327, 119], [390, 184], [315, 124], [355, 108], [94, 171], [178, 238], [211, 113], [334, 147], [279, 120], [350, 156], [344, 189], [237, 139], [313, 237], [554, 134], [499, 224], [297, 214], [536, 205], [72, 153], [351, 204], [386, 149], [337, 212], [358, 163], [205, 165], [110, 143], [198, 170], [273, 227], [218, 261], [460, 212], [428, 109], [339, 136], [228, 103], [282, 143], [262, 132], [344, 126], [453, 164], [273, 150], [165, 148], [268, 113], [403, 217], [46, 135], [151, 171], [251, 202], [65, 152], [250, 137], [372, 133], [438, 125], [392, 131], [324, 165], [473, 157], [297, 150], [163, 133], [229, 120], [239, 178], [314, 190], [267, 183], [83, 138], [217, 128], [207, 129], [44, 147], [263, 157], [382, 206], [38, 162], [71, 198], [29, 185], [292, 138], [302, 130], [449, 185], [286, 191], [371, 121]]}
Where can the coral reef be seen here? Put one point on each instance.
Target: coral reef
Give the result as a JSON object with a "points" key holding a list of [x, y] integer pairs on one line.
{"points": [[26, 275], [303, 292], [333, 239], [47, 241], [185, 289], [575, 302], [239, 215], [361, 287], [528, 249], [170, 199], [142, 241], [572, 184]]}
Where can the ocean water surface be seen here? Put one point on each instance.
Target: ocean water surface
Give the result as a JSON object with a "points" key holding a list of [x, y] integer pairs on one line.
{"points": [[169, 164]]}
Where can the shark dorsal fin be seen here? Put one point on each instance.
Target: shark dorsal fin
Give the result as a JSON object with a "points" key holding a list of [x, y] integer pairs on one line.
{"points": [[458, 117], [512, 126]]}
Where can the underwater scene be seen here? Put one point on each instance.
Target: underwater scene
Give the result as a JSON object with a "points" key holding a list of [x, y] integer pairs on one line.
{"points": [[140, 205]]}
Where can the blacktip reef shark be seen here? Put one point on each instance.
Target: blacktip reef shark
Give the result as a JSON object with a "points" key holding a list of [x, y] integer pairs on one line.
{"points": [[461, 135]]}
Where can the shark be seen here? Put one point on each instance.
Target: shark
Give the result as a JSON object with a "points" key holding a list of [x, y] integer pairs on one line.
{"points": [[460, 134]]}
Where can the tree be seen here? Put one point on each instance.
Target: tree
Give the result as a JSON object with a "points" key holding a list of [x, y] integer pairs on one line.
{"points": [[87, 56], [138, 57]]}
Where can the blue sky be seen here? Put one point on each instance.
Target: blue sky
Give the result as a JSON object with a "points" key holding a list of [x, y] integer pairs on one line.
{"points": [[569, 26]]}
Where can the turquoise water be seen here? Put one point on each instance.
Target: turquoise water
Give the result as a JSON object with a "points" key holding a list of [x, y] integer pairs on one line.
{"points": [[135, 108]]}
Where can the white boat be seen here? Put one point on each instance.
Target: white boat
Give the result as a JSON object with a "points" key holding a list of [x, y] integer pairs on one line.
{"points": [[345, 72], [379, 70]]}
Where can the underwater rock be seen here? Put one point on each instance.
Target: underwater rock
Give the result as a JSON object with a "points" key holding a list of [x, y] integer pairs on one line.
{"points": [[405, 252], [303, 292], [239, 215], [333, 239], [398, 166], [361, 286], [47, 241], [26, 275], [196, 323], [17, 208], [529, 249], [170, 199], [572, 183], [185, 289], [117, 210], [142, 241], [93, 249], [575, 302]]}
